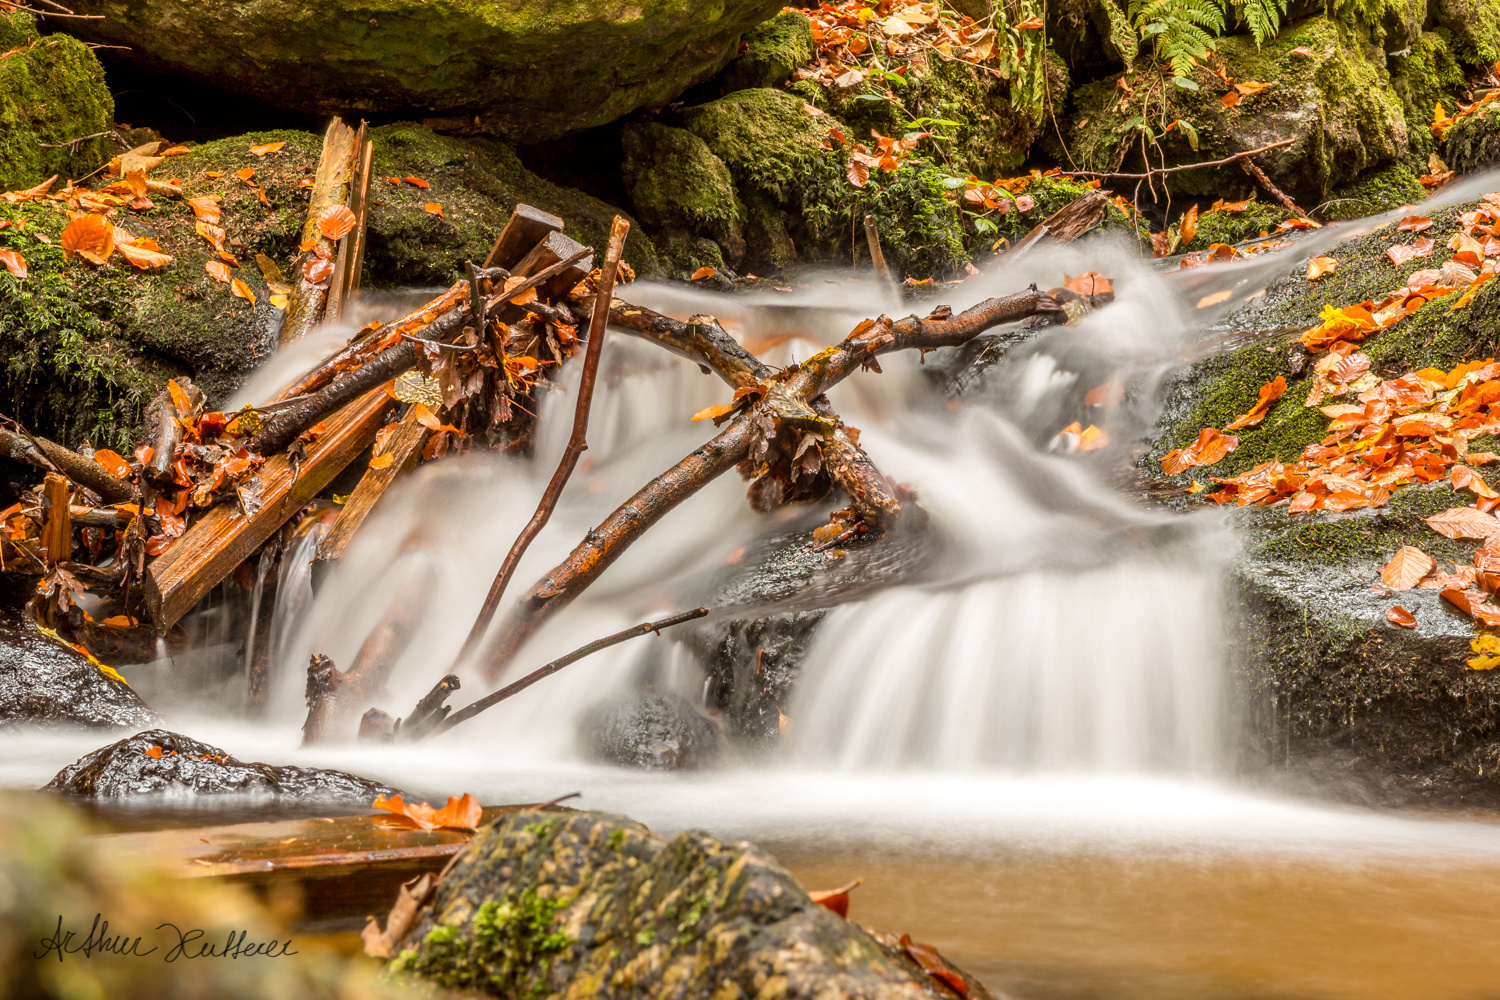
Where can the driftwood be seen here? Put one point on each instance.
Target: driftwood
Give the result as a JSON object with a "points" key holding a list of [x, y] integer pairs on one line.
{"points": [[351, 256], [527, 227], [164, 431], [57, 522], [224, 537], [577, 440], [1180, 168], [86, 472], [305, 307], [1066, 224], [604, 544], [877, 256], [404, 448]]}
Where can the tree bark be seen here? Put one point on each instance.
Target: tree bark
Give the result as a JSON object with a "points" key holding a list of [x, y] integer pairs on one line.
{"points": [[82, 471]]}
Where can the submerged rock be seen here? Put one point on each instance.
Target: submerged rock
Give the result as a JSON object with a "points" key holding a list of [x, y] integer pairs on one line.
{"points": [[652, 731], [45, 683], [158, 761], [531, 71], [52, 93], [588, 904]]}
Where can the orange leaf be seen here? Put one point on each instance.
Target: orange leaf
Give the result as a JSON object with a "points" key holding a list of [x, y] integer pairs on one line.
{"points": [[461, 813], [120, 621], [1464, 522], [1089, 284], [433, 208], [1473, 604], [423, 415], [713, 412], [175, 151], [14, 262], [269, 147], [1405, 253], [1320, 265], [1407, 568], [1400, 616], [245, 174], [1189, 226], [91, 237], [1230, 99], [382, 461], [1030, 24], [836, 900], [335, 221], [112, 463], [142, 256], [317, 270], [858, 172], [206, 208], [1211, 447], [218, 270], [701, 273], [1107, 394], [1269, 393], [1414, 224], [154, 751], [935, 966], [1465, 478], [241, 290], [417, 182]]}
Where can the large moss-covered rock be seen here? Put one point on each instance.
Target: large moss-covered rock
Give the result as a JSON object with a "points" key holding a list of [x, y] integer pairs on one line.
{"points": [[1426, 76], [772, 51], [1473, 144], [531, 71], [587, 904], [683, 192], [1475, 25], [52, 95], [86, 346], [1373, 192], [1329, 90]]}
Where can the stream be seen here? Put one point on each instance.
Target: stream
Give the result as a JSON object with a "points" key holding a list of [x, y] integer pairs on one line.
{"points": [[1025, 743]]}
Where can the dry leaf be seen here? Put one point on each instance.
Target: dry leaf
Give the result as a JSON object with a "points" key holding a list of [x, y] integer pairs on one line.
{"points": [[144, 254], [1400, 616], [460, 813], [1189, 226], [14, 262], [206, 208], [218, 270], [241, 290], [422, 414], [91, 237], [245, 174], [1320, 265], [1414, 224], [433, 208], [180, 398], [317, 270], [836, 900], [382, 461], [1211, 447], [935, 966], [1090, 284], [701, 273], [1407, 568], [335, 221], [713, 412], [112, 463], [264, 148], [417, 182], [1269, 393], [1464, 522]]}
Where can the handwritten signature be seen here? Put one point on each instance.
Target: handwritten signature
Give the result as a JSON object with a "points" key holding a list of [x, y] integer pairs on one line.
{"points": [[183, 943]]}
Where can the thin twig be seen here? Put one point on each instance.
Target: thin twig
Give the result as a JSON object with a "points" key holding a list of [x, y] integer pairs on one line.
{"points": [[459, 348], [72, 144], [541, 277], [1260, 177], [497, 697], [1158, 171], [577, 441]]}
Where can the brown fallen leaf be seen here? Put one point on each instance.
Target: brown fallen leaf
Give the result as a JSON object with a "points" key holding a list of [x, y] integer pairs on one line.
{"points": [[317, 270], [1320, 265], [1465, 478], [112, 463], [335, 221], [935, 965], [1400, 616], [433, 208], [1414, 224], [241, 290], [417, 182], [1210, 447], [836, 900], [144, 254], [1403, 253], [91, 237], [206, 208], [1215, 298], [460, 813], [1473, 604], [218, 270], [267, 147], [245, 175], [1464, 522], [701, 273], [1091, 284], [14, 262], [1407, 568], [1188, 228], [1269, 393]]}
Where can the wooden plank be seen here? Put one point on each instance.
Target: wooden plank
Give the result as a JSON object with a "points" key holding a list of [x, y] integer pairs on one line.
{"points": [[527, 227], [224, 537], [57, 523], [330, 187], [553, 248], [404, 447], [350, 258]]}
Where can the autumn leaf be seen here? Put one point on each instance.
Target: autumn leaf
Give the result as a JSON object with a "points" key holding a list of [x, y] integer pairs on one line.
{"points": [[1401, 254], [713, 412], [1030, 24], [935, 966], [422, 414], [1400, 616], [1465, 478], [1188, 228], [858, 172], [1269, 393], [1320, 265], [1464, 522], [264, 148], [836, 900], [433, 208], [1211, 447], [1414, 224], [246, 174], [335, 221], [1487, 645], [144, 254], [417, 182], [1407, 568], [701, 273], [154, 751], [1107, 394], [382, 461], [120, 621], [317, 270], [218, 270], [460, 813], [1473, 604], [91, 237], [1090, 284], [206, 208], [14, 262], [1215, 298], [241, 290]]}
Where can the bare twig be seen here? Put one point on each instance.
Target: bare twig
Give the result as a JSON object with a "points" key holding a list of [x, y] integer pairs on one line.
{"points": [[1158, 171], [490, 700], [577, 441], [73, 144], [1275, 192]]}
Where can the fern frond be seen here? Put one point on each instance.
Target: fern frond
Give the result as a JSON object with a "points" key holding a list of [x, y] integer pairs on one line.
{"points": [[1263, 17]]}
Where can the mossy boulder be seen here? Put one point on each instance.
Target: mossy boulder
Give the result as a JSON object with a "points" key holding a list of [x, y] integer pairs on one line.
{"points": [[682, 191], [1374, 191], [1220, 226], [1325, 672], [772, 51], [86, 347], [53, 105], [530, 71], [583, 904], [1426, 76], [1329, 91], [1475, 25], [1473, 144]]}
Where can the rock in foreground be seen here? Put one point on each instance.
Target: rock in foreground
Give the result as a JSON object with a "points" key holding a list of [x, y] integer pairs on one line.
{"points": [[159, 761], [587, 904], [44, 683]]}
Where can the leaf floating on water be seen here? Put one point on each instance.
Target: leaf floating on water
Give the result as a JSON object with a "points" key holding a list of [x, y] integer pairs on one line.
{"points": [[91, 237], [460, 813], [1400, 616], [1464, 522], [1407, 568], [335, 221], [268, 147], [1090, 284]]}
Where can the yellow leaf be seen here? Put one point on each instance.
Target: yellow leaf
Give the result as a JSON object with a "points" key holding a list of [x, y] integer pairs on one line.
{"points": [[382, 461], [241, 290], [433, 208], [1485, 662], [422, 414], [712, 412], [269, 147]]}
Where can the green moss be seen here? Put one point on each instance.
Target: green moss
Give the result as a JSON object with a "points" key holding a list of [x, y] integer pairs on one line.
{"points": [[1427, 76], [1235, 227], [505, 949], [1475, 25], [1050, 194], [1473, 144], [766, 138], [773, 50], [1375, 191], [1367, 537], [51, 91], [682, 191]]}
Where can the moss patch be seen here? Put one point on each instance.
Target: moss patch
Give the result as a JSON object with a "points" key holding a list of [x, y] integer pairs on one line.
{"points": [[773, 50], [1427, 76], [1235, 227], [683, 192], [1373, 192], [1473, 144], [505, 949], [51, 91]]}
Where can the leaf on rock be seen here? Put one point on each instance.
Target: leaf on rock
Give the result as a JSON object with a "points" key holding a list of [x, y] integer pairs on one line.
{"points": [[701, 273], [417, 182], [1474, 604], [241, 290], [14, 262], [935, 966], [144, 254], [1188, 227], [317, 270], [268, 147], [218, 270], [1320, 265], [1414, 224], [433, 208], [1405, 253], [91, 237], [1211, 447], [1269, 393], [382, 461], [245, 174], [335, 221], [460, 813], [206, 208], [836, 900], [1400, 616], [1464, 522], [1407, 568]]}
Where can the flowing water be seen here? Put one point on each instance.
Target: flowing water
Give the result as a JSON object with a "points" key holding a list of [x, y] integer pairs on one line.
{"points": [[1026, 748]]}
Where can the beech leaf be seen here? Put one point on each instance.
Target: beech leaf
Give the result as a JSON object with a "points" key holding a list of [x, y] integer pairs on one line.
{"points": [[1407, 568]]}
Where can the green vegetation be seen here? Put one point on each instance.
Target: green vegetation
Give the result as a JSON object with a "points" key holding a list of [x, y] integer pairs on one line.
{"points": [[51, 93], [505, 948]]}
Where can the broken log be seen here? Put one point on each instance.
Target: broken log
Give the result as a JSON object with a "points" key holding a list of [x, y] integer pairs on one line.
{"points": [[527, 227], [164, 430], [404, 448], [577, 440], [1066, 224], [868, 489], [604, 544], [224, 537], [57, 521], [351, 255], [877, 256], [85, 472], [701, 340], [308, 300]]}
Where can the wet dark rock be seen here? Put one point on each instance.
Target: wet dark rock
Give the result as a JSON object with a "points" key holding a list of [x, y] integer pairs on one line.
{"points": [[652, 731], [45, 683], [182, 765], [589, 904]]}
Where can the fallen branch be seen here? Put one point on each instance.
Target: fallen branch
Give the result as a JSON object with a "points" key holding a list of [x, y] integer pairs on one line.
{"points": [[491, 700], [1064, 225], [86, 472], [1158, 171], [1259, 175], [577, 441], [164, 431], [701, 340], [330, 187]]}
